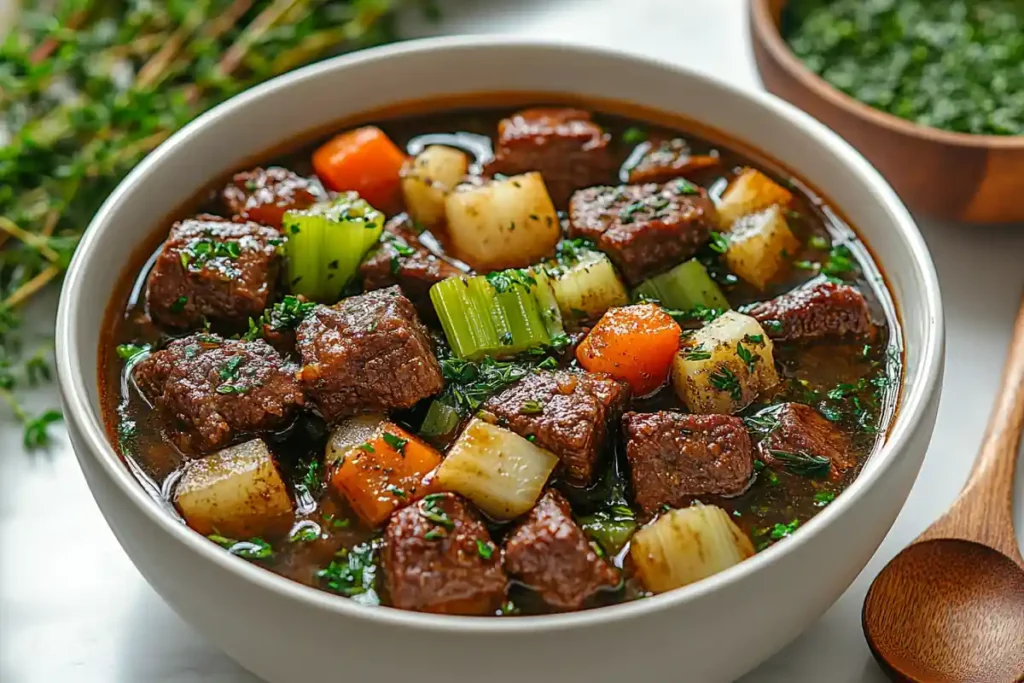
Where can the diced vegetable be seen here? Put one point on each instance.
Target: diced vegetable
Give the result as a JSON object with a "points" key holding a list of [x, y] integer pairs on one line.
{"points": [[548, 304], [507, 223], [379, 476], [427, 180], [612, 528], [351, 433], [326, 243], [724, 366], [363, 160], [501, 472], [236, 492], [633, 343], [749, 193], [441, 419], [589, 287], [684, 287], [684, 546], [500, 314], [759, 245]]}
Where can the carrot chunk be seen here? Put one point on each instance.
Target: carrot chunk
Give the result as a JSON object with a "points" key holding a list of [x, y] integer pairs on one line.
{"points": [[363, 160], [635, 344], [385, 473]]}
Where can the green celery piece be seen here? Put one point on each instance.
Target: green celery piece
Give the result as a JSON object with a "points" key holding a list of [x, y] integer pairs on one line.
{"points": [[547, 303], [441, 419], [466, 319], [684, 287], [326, 244], [612, 529]]}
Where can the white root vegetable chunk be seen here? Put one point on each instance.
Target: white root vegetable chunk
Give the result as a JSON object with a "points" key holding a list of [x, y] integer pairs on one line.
{"points": [[500, 471], [351, 433], [750, 192], [428, 179], [760, 244], [236, 492], [684, 546], [590, 287], [724, 365], [509, 223]]}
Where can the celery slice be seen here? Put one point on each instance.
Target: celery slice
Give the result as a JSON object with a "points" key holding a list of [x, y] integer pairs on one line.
{"points": [[497, 315], [547, 303], [441, 419], [684, 287], [326, 243]]}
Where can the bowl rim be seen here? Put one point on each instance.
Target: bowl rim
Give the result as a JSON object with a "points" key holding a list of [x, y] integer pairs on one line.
{"points": [[95, 446], [769, 34]]}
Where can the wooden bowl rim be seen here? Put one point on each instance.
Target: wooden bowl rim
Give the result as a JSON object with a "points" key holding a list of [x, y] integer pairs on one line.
{"points": [[770, 35]]}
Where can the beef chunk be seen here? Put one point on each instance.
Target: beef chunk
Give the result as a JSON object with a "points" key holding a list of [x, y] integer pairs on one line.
{"points": [[213, 390], [550, 553], [369, 353], [564, 145], [211, 269], [663, 160], [403, 260], [263, 195], [822, 309], [644, 229], [566, 413], [674, 457], [451, 567], [802, 431]]}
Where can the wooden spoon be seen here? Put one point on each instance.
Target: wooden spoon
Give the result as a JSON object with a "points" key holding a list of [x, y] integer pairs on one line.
{"points": [[950, 607]]}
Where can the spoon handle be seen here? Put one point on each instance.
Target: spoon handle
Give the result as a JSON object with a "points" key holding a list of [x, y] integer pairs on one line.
{"points": [[984, 510]]}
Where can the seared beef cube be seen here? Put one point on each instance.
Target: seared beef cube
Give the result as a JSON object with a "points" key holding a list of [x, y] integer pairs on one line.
{"points": [[367, 354], [213, 390], [644, 229], [263, 195], [213, 270], [403, 260], [551, 554], [438, 557], [664, 160], [822, 309], [802, 437], [676, 457], [566, 413], [564, 145]]}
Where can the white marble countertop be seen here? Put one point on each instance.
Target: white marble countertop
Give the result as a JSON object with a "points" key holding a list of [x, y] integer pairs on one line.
{"points": [[73, 608]]}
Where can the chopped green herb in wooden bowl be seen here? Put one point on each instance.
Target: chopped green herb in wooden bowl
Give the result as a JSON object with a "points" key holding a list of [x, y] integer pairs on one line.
{"points": [[931, 93]]}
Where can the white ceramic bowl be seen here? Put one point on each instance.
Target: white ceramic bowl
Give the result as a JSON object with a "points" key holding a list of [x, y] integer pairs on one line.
{"points": [[714, 630]]}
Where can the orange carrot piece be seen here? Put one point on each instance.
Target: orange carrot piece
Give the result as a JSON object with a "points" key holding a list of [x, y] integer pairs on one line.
{"points": [[363, 160], [633, 343], [385, 473]]}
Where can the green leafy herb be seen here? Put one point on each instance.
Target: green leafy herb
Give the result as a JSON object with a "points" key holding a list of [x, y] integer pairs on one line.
{"points": [[504, 280], [634, 135], [366, 446], [354, 571], [430, 510], [725, 379], [683, 186], [179, 304], [484, 549], [531, 408], [840, 262], [253, 549], [129, 352], [395, 442], [748, 358], [305, 534], [396, 492], [284, 315], [780, 531], [818, 242], [804, 464], [823, 498], [697, 352], [719, 242]]}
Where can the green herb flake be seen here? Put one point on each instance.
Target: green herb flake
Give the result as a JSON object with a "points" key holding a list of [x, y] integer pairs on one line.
{"points": [[725, 379], [397, 443], [129, 352], [484, 549], [823, 498], [179, 304], [719, 242], [634, 135], [531, 408]]}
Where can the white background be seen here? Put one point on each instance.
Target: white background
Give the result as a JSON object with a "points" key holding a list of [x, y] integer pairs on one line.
{"points": [[73, 608]]}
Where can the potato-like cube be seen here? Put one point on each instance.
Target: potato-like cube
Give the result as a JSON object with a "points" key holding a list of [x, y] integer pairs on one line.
{"points": [[236, 492], [684, 546], [723, 366], [750, 192], [351, 433], [500, 471], [509, 223], [759, 246], [427, 180], [589, 287]]}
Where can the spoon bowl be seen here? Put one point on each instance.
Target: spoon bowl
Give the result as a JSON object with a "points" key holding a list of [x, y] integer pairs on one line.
{"points": [[966, 596]]}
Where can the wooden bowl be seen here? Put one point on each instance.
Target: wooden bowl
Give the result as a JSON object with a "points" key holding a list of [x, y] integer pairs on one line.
{"points": [[975, 178]]}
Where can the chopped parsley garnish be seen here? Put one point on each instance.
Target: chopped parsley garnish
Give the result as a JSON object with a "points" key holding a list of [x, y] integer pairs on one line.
{"points": [[818, 242], [284, 315], [725, 379], [230, 369], [366, 446], [804, 464], [531, 408], [484, 550], [431, 511], [772, 326], [697, 352], [179, 304], [719, 242], [253, 549], [312, 482], [305, 534], [683, 186], [395, 442], [823, 498], [129, 352], [634, 135], [840, 262], [504, 280], [435, 534], [780, 531], [748, 358], [396, 492], [353, 572]]}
